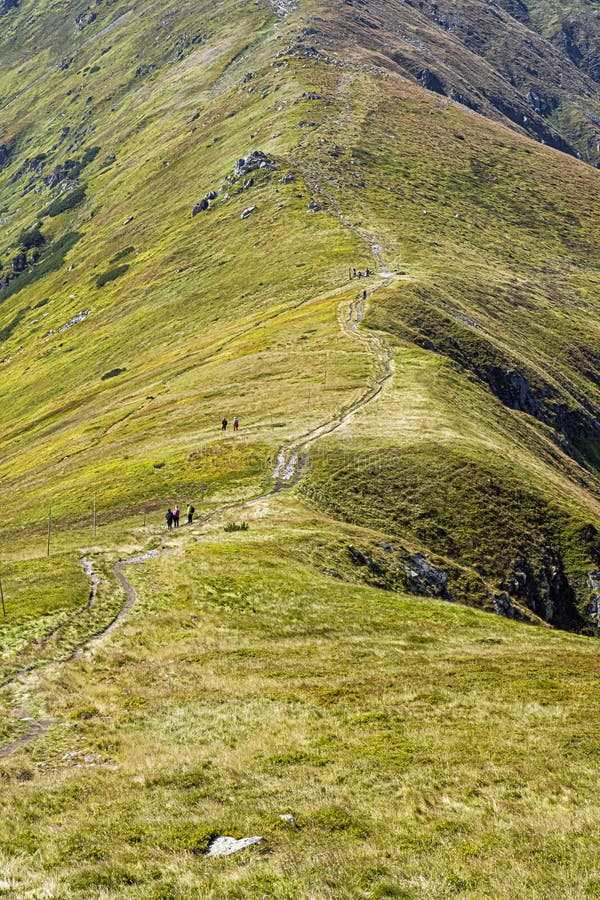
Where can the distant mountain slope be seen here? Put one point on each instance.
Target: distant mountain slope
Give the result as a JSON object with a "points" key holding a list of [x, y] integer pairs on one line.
{"points": [[498, 59]]}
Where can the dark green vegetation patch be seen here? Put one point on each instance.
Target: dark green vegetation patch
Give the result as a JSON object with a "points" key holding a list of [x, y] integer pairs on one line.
{"points": [[52, 259], [112, 374], [111, 275], [68, 200]]}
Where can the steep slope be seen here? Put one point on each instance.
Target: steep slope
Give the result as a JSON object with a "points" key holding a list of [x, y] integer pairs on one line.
{"points": [[497, 61]]}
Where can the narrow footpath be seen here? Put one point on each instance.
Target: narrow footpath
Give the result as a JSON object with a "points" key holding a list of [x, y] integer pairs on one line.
{"points": [[291, 462]]}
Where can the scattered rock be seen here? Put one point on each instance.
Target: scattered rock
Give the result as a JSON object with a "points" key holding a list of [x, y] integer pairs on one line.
{"points": [[427, 576], [513, 389], [80, 317], [251, 163], [314, 207], [431, 81], [19, 262], [67, 170], [32, 165], [7, 5], [544, 588], [200, 207], [389, 548], [288, 178], [290, 819], [248, 77], [503, 606], [363, 559], [247, 212], [593, 583], [128, 220], [226, 846], [84, 19]]}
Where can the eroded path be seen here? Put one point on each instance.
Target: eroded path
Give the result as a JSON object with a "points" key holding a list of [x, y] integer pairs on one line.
{"points": [[291, 461], [292, 458]]}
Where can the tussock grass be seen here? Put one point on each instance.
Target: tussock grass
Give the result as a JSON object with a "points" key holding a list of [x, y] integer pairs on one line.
{"points": [[423, 748]]}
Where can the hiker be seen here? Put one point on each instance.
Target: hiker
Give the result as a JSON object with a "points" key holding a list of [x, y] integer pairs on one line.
{"points": [[169, 518], [224, 424], [364, 295], [236, 423], [367, 273], [354, 273], [176, 516], [190, 513]]}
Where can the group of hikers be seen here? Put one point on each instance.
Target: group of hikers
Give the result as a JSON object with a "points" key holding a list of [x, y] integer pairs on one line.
{"points": [[172, 516], [358, 274]]}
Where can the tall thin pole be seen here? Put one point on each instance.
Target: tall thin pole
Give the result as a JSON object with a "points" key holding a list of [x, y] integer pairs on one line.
{"points": [[2, 598], [49, 528], [94, 515]]}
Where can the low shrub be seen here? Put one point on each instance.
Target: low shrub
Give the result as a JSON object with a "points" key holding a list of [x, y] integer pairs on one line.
{"points": [[66, 201], [112, 374], [111, 275]]}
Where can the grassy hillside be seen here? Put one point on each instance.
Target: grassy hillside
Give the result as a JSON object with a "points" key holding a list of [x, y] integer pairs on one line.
{"points": [[427, 455], [425, 750]]}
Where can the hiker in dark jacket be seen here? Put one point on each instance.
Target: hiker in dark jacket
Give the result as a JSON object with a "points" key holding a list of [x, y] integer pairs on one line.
{"points": [[224, 425], [169, 518]]}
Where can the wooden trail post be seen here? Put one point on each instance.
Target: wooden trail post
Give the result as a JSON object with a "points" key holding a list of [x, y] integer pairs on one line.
{"points": [[2, 599], [49, 528]]}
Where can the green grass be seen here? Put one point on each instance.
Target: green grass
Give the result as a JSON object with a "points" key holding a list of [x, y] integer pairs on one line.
{"points": [[246, 684], [426, 748]]}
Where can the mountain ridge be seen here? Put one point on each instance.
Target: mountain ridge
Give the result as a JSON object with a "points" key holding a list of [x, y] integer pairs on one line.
{"points": [[375, 646]]}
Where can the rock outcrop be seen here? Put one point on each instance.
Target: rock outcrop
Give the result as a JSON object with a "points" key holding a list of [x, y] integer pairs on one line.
{"points": [[255, 160]]}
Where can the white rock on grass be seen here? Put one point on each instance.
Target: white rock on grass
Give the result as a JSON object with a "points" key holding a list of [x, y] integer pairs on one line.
{"points": [[247, 212], [290, 819], [225, 845]]}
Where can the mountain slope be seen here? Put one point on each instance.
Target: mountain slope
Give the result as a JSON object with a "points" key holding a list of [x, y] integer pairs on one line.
{"points": [[500, 62], [121, 355], [184, 195]]}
